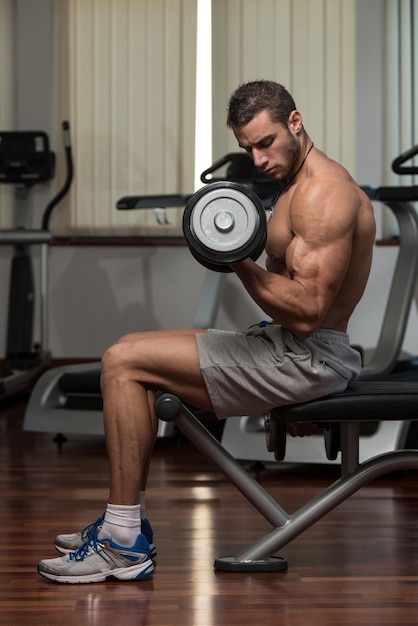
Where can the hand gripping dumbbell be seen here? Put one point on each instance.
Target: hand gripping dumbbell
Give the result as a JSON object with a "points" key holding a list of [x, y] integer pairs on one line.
{"points": [[224, 222]]}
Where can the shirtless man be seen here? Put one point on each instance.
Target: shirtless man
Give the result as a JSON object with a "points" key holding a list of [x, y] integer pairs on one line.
{"points": [[319, 246]]}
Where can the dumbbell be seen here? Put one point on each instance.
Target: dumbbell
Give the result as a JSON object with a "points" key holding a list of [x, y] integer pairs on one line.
{"points": [[224, 222]]}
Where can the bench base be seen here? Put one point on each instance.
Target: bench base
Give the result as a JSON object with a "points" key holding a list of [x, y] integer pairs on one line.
{"points": [[287, 527], [269, 564]]}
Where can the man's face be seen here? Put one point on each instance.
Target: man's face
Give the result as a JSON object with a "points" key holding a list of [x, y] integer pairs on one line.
{"points": [[273, 148]]}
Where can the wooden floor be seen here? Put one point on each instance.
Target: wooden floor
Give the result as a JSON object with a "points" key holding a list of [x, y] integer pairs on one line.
{"points": [[357, 566]]}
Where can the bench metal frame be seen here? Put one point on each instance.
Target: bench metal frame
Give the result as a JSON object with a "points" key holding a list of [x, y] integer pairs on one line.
{"points": [[363, 401]]}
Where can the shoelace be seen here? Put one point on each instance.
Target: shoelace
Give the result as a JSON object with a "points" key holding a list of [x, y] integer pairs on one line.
{"points": [[80, 554], [91, 529]]}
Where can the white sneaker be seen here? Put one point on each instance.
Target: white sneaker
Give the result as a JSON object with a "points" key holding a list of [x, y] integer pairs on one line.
{"points": [[100, 559]]}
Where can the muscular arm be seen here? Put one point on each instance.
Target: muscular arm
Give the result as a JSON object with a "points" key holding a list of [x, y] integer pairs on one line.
{"points": [[321, 222]]}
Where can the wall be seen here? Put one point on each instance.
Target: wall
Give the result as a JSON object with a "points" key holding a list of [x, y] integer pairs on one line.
{"points": [[97, 294]]}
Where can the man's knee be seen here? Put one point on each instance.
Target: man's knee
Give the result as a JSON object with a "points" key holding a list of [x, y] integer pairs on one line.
{"points": [[113, 363]]}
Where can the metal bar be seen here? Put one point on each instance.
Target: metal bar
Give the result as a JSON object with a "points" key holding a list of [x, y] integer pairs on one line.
{"points": [[350, 444], [400, 297], [24, 237], [316, 508], [44, 296], [238, 476]]}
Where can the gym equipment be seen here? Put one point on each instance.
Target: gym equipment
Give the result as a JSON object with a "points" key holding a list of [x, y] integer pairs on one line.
{"points": [[223, 223], [239, 167], [363, 401], [236, 167], [67, 399], [398, 163], [26, 160]]}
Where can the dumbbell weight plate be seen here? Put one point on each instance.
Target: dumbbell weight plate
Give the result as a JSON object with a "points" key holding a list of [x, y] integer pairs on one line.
{"points": [[215, 267], [224, 222]]}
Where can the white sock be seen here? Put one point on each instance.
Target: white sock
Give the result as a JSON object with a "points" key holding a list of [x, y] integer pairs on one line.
{"points": [[123, 522]]}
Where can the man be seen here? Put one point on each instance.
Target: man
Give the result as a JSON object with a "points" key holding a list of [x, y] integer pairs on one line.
{"points": [[319, 251]]}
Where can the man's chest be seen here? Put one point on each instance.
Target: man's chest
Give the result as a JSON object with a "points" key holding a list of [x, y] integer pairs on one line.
{"points": [[279, 235]]}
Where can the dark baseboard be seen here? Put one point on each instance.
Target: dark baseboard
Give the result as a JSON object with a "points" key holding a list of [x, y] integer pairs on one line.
{"points": [[58, 362]]}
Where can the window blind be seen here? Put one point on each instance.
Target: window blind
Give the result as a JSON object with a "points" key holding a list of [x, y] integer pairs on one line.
{"points": [[308, 46], [127, 85], [126, 76]]}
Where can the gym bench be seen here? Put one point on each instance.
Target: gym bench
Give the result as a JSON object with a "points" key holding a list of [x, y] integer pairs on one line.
{"points": [[340, 416]]}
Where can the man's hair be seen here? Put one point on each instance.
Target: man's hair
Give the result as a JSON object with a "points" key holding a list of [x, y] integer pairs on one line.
{"points": [[251, 98]]}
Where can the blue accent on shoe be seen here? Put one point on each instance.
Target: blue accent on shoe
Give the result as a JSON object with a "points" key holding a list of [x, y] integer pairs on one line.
{"points": [[146, 573], [146, 530], [140, 546]]}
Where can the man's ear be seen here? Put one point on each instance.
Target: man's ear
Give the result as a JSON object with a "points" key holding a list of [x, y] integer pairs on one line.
{"points": [[295, 121]]}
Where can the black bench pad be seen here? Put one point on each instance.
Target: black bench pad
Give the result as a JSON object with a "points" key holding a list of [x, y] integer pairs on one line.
{"points": [[363, 400]]}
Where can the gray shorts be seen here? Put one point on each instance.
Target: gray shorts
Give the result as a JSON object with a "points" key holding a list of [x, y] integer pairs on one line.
{"points": [[251, 372]]}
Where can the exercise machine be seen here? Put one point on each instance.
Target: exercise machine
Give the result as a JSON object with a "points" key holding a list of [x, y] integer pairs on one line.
{"points": [[68, 399], [25, 161]]}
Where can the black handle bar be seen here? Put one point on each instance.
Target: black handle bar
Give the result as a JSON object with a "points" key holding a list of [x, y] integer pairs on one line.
{"points": [[397, 164], [68, 180]]}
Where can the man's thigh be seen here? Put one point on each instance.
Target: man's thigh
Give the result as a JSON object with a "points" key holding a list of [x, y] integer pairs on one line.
{"points": [[166, 360]]}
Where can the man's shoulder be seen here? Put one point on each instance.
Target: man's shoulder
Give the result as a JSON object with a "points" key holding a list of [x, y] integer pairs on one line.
{"points": [[326, 169], [325, 179]]}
